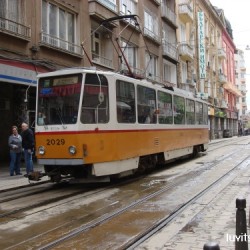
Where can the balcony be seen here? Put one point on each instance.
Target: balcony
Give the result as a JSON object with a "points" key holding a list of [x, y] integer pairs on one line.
{"points": [[186, 13], [152, 35], [153, 78], [186, 52], [102, 60], [168, 15], [222, 53], [15, 29], [169, 51], [59, 44], [138, 73], [232, 89], [102, 9]]}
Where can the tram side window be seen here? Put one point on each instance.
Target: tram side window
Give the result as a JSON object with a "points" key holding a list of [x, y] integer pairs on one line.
{"points": [[190, 112], [125, 102], [146, 104], [179, 110], [165, 108], [95, 104], [205, 108], [198, 113]]}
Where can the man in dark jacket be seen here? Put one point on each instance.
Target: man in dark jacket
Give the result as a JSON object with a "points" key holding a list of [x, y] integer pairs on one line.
{"points": [[28, 146]]}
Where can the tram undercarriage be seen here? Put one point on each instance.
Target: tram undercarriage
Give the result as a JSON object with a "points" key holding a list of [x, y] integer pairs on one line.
{"points": [[107, 171]]}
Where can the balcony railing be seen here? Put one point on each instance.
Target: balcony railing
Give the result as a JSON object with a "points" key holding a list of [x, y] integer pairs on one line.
{"points": [[102, 60], [186, 11], [154, 78], [139, 73], [60, 44], [15, 28], [186, 51], [168, 14], [169, 50], [151, 34]]}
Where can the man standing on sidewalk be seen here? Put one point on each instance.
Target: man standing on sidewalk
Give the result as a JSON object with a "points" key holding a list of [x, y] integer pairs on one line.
{"points": [[28, 146]]}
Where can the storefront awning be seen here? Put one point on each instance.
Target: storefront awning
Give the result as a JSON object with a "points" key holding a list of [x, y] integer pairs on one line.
{"points": [[19, 72]]}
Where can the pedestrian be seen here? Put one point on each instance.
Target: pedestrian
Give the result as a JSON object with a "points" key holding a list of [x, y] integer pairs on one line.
{"points": [[28, 146], [15, 145]]}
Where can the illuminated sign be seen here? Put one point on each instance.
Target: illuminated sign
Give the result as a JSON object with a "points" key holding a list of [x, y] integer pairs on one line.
{"points": [[201, 45]]}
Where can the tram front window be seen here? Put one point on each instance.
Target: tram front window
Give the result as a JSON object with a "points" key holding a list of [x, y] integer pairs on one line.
{"points": [[58, 99]]}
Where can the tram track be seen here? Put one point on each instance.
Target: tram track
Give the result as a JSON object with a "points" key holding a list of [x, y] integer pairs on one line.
{"points": [[68, 231], [107, 218], [165, 221]]}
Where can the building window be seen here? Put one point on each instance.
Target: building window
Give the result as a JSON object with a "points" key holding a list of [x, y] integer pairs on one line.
{"points": [[111, 4], [151, 66], [128, 7], [11, 10], [58, 27], [95, 45], [169, 71], [12, 17], [151, 25], [130, 53]]}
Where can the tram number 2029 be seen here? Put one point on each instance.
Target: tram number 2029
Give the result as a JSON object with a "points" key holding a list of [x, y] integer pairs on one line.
{"points": [[58, 142]]}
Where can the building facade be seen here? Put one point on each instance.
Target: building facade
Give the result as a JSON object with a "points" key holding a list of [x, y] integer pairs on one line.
{"points": [[159, 40], [240, 80]]}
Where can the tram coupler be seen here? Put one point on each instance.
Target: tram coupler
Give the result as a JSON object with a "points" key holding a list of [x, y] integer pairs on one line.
{"points": [[35, 176]]}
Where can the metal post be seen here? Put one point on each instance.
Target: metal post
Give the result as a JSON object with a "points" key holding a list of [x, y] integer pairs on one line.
{"points": [[211, 246], [241, 238]]}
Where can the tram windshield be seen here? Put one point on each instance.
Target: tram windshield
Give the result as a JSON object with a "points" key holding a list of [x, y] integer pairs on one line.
{"points": [[58, 99]]}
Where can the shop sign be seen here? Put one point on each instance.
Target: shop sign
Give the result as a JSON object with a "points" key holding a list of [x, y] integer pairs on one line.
{"points": [[201, 45], [19, 72]]}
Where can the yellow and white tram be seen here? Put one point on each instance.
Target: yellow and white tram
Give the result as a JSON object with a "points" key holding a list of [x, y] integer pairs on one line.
{"points": [[98, 125]]}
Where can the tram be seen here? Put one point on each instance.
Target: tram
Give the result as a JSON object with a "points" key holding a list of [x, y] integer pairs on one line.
{"points": [[96, 125]]}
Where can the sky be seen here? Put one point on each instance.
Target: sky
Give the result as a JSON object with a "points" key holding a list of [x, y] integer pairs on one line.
{"points": [[237, 13]]}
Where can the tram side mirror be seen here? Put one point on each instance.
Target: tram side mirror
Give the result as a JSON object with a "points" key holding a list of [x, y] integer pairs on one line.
{"points": [[101, 97]]}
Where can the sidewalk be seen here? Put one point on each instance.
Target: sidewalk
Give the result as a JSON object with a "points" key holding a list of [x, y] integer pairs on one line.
{"points": [[7, 181]]}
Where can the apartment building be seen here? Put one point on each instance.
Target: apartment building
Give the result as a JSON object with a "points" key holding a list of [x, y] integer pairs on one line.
{"points": [[157, 40], [218, 86], [240, 80]]}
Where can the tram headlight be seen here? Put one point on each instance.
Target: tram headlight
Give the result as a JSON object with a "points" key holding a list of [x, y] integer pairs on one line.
{"points": [[72, 150], [41, 150]]}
